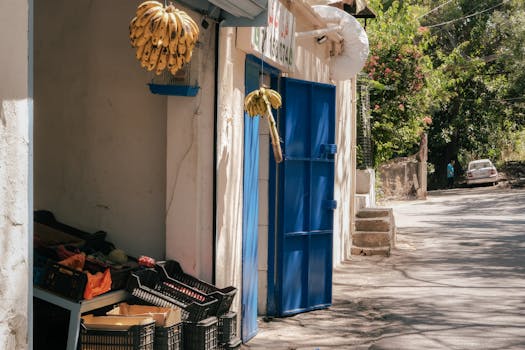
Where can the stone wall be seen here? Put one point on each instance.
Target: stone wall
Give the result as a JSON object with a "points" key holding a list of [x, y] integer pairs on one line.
{"points": [[400, 178]]}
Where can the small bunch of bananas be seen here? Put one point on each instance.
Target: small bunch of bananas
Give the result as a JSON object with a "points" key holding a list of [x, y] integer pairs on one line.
{"points": [[164, 37], [260, 102], [255, 103]]}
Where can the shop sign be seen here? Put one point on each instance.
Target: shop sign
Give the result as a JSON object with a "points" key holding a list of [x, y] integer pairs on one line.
{"points": [[276, 42]]}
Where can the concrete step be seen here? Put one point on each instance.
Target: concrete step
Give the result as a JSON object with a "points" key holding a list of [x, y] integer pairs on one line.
{"points": [[384, 251], [373, 224], [373, 212], [371, 239]]}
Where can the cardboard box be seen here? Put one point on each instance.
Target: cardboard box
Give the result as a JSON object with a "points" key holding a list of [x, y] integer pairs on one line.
{"points": [[50, 237], [163, 316], [114, 322]]}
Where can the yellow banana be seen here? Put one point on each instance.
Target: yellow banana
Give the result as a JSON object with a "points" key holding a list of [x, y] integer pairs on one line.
{"points": [[274, 98], [172, 61], [140, 51], [154, 57], [250, 97], [152, 29], [188, 55], [161, 33], [155, 28], [149, 16], [193, 28], [180, 62], [177, 66], [138, 31], [163, 60], [181, 49], [141, 41], [142, 8], [252, 103], [132, 27], [179, 23], [172, 31], [144, 60]]}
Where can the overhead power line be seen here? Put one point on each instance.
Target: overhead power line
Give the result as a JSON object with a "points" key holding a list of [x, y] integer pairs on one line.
{"points": [[435, 9], [468, 16]]}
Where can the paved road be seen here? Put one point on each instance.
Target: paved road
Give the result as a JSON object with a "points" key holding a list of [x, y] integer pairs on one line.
{"points": [[455, 281]]}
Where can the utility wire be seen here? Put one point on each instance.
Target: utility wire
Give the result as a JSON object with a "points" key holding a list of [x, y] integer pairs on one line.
{"points": [[468, 16], [435, 9]]}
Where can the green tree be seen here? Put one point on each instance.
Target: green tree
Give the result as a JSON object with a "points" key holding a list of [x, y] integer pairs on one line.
{"points": [[403, 90], [458, 63], [479, 50]]}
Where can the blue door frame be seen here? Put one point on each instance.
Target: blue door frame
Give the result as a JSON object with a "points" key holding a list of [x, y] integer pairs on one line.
{"points": [[250, 261]]}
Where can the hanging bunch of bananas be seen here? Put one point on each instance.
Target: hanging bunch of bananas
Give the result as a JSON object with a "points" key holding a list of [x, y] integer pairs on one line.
{"points": [[164, 37], [255, 101], [260, 102]]}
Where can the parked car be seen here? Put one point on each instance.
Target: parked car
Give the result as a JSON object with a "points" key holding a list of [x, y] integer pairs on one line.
{"points": [[481, 171]]}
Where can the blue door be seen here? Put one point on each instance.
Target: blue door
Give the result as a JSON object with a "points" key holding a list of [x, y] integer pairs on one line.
{"points": [[305, 197], [250, 212]]}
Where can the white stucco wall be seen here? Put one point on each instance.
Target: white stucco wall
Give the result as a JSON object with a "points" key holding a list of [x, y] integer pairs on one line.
{"points": [[189, 160], [344, 169], [230, 149], [15, 106], [100, 135]]}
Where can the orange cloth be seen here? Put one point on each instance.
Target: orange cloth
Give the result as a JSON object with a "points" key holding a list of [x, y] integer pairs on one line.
{"points": [[97, 284], [74, 262]]}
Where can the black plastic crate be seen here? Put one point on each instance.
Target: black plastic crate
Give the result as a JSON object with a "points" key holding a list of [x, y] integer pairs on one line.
{"points": [[71, 283], [227, 327], [172, 270], [169, 338], [201, 335], [233, 344], [64, 281], [135, 338], [148, 285], [119, 276]]}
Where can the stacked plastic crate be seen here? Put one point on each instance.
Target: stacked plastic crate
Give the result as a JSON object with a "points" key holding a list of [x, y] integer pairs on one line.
{"points": [[133, 327], [110, 332], [208, 322]]}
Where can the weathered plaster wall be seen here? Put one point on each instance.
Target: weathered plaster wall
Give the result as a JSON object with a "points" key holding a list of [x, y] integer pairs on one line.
{"points": [[230, 135], [344, 165], [100, 135], [189, 159], [15, 104], [311, 59]]}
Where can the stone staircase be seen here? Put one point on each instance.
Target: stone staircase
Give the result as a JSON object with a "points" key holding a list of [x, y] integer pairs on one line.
{"points": [[375, 232]]}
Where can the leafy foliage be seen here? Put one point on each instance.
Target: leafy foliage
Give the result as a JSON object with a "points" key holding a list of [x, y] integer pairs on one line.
{"points": [[402, 75], [459, 64]]}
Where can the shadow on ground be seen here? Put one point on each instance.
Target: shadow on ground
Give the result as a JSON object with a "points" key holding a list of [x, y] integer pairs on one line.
{"points": [[456, 280]]}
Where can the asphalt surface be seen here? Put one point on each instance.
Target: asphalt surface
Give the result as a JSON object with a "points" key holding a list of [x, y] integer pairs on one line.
{"points": [[456, 280]]}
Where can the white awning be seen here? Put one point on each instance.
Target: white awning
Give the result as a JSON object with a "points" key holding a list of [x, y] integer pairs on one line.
{"points": [[232, 13]]}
